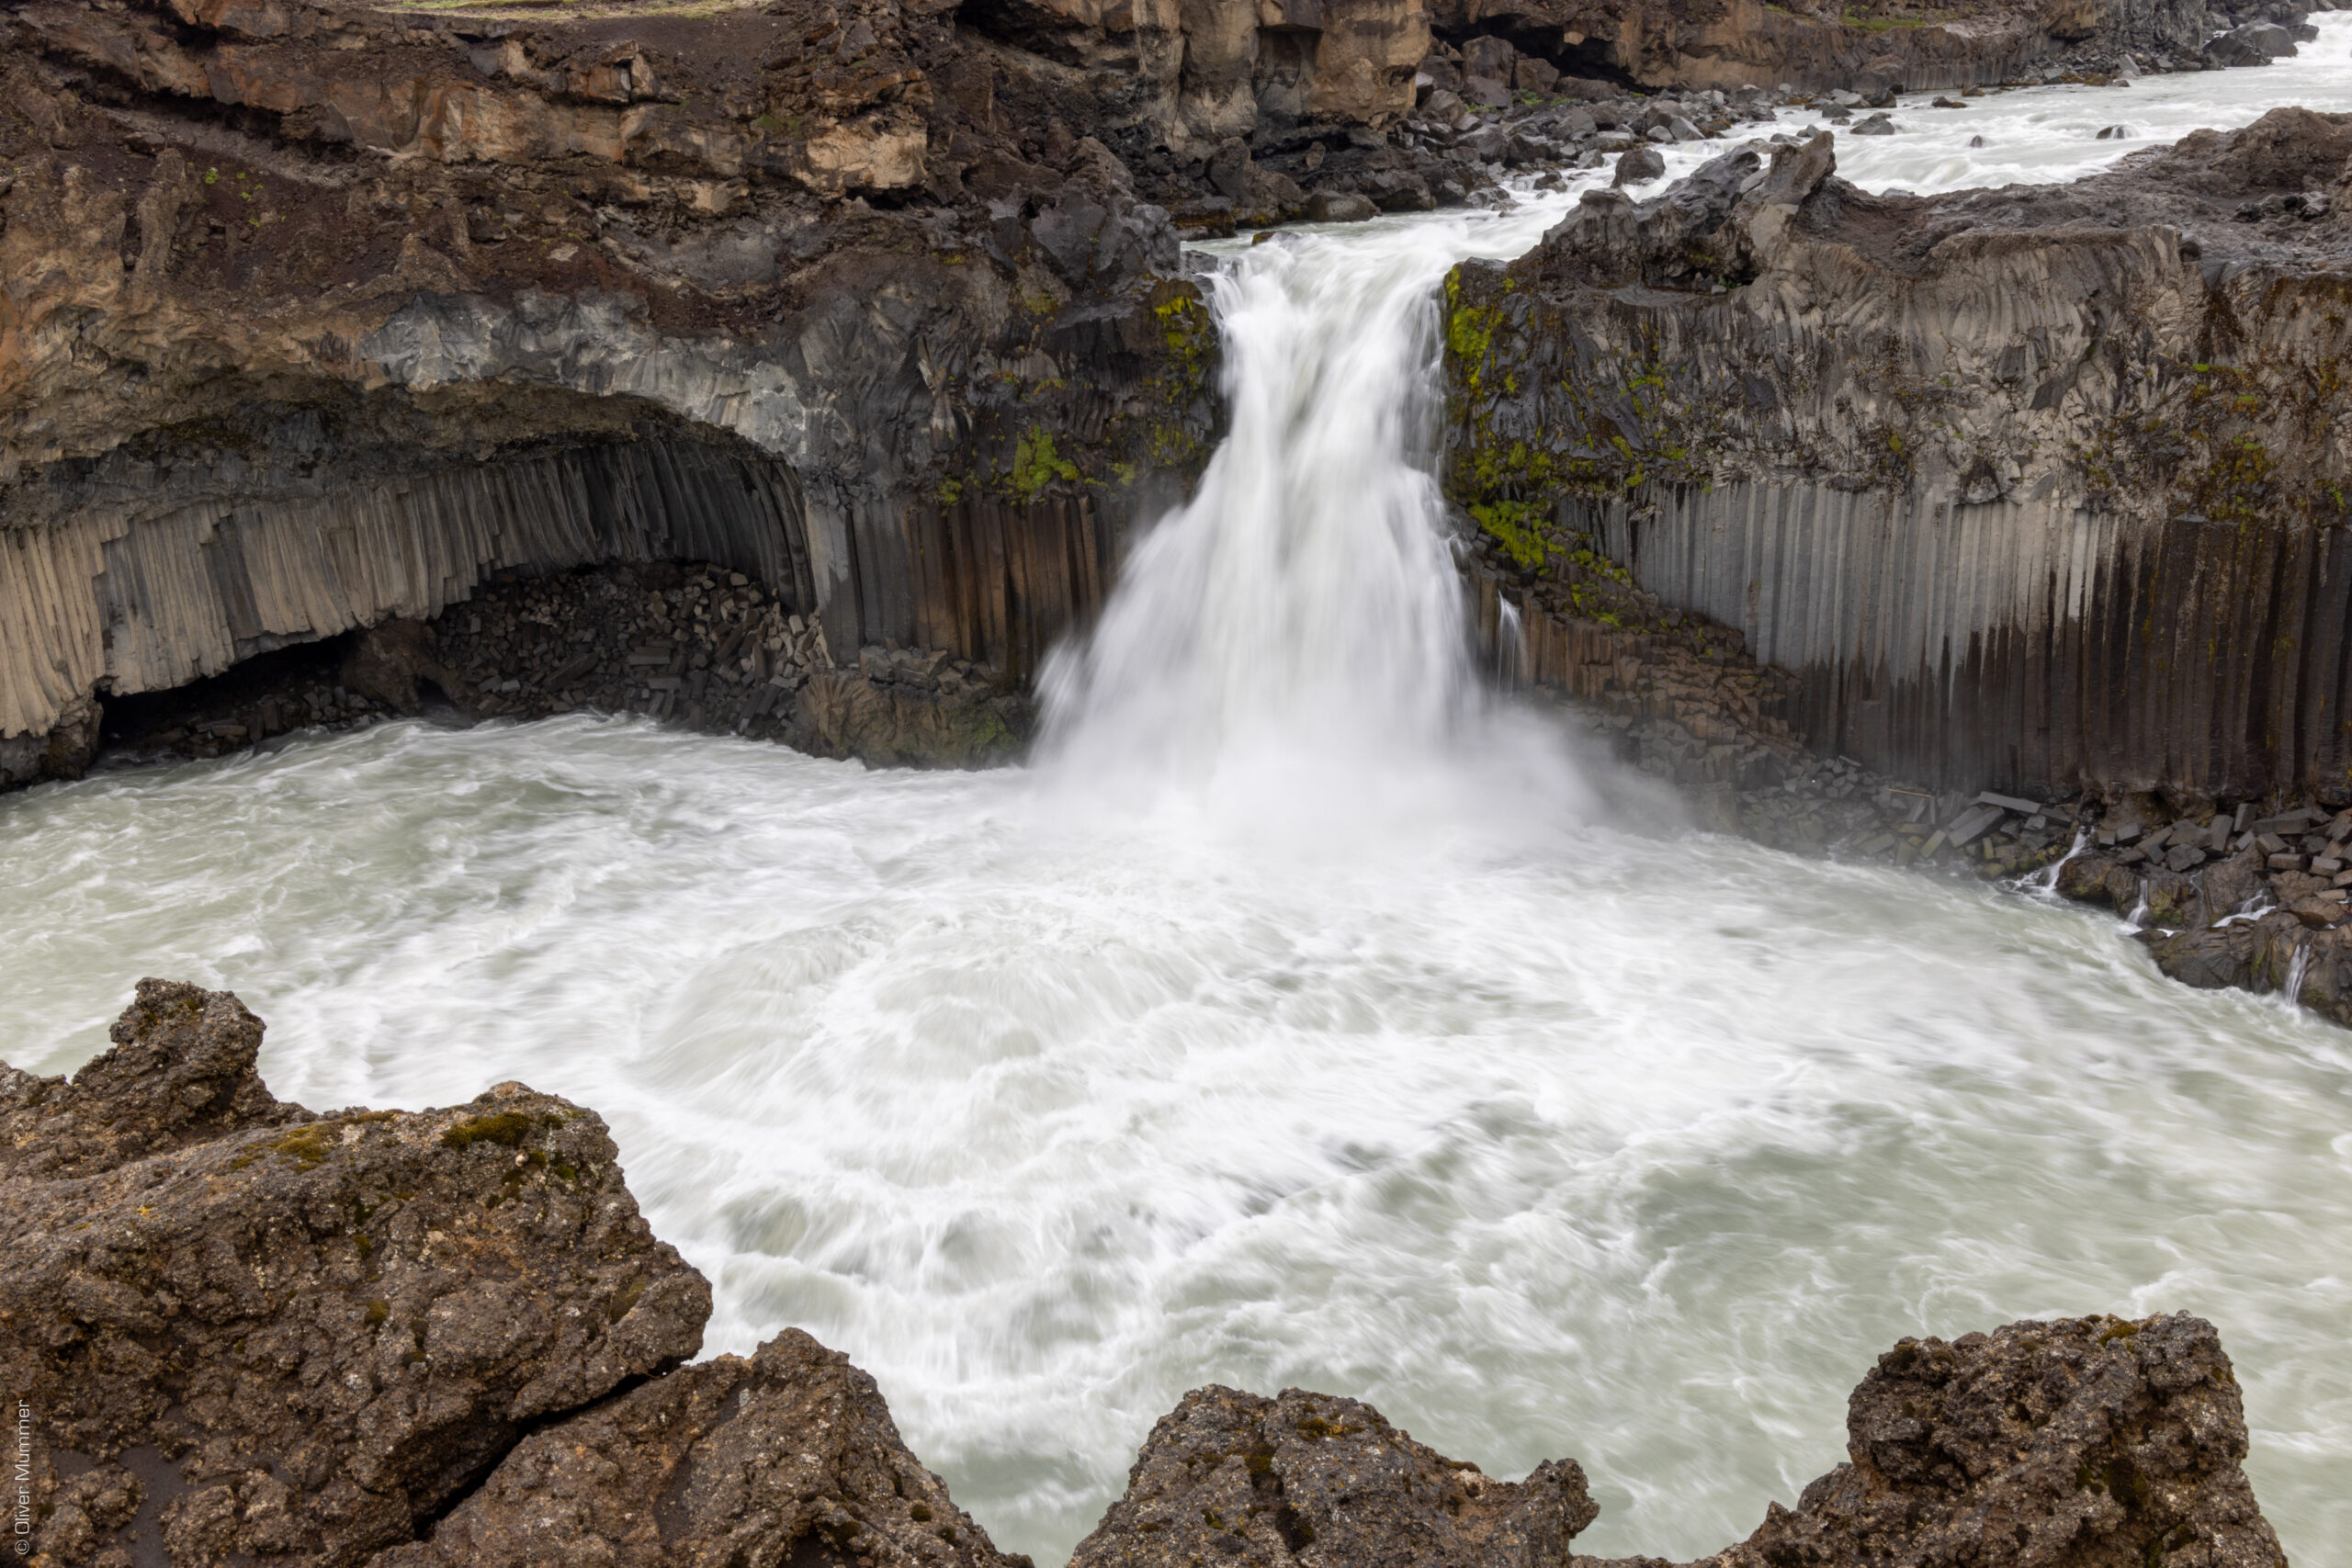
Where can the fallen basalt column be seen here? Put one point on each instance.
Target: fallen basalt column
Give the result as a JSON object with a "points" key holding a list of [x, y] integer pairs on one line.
{"points": [[249, 1333]]}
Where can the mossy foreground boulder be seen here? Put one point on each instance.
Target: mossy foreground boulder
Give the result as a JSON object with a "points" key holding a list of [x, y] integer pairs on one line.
{"points": [[245, 1332]]}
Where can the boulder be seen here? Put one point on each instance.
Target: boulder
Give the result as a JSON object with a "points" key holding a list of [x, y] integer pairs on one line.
{"points": [[2080, 1441], [2099, 879], [254, 1330], [1340, 206], [787, 1456], [1638, 165], [1315, 1479], [1489, 57], [2257, 43]]}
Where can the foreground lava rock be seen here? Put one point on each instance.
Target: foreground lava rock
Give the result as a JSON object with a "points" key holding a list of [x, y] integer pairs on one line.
{"points": [[1313, 1478], [248, 1332], [730, 1461], [2087, 1441], [248, 1328]]}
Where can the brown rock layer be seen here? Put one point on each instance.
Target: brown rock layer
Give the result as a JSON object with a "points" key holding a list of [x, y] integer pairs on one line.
{"points": [[1310, 1478], [733, 1459]]}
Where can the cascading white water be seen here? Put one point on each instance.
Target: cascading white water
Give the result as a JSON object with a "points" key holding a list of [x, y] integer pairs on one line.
{"points": [[1287, 1028], [1295, 636], [1304, 599]]}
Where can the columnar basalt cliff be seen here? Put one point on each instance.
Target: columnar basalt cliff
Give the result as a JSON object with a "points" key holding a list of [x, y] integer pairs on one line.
{"points": [[251, 1333], [317, 313], [321, 313], [2040, 488]]}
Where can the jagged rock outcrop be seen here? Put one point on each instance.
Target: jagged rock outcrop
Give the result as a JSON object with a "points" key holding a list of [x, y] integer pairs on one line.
{"points": [[2038, 487], [2081, 1442], [2231, 900], [733, 1460], [249, 1329], [1311, 1478], [254, 1334], [1727, 43], [2088, 1441]]}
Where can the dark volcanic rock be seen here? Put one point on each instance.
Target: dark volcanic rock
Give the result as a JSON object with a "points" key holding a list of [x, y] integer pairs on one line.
{"points": [[1890, 407], [279, 1335], [2089, 1443], [1315, 1479], [2085, 1443], [730, 1461], [181, 1072]]}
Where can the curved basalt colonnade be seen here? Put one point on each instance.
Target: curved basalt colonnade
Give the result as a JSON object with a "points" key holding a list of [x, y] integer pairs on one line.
{"points": [[318, 314], [250, 1332]]}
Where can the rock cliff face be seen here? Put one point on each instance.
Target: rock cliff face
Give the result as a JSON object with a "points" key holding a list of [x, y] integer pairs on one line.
{"points": [[318, 313], [250, 1333], [2039, 487], [1729, 43]]}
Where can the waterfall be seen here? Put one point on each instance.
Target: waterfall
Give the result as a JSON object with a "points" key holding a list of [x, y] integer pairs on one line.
{"points": [[1307, 588], [1510, 650], [1302, 620]]}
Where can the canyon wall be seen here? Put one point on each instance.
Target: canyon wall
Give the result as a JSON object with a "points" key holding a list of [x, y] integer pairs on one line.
{"points": [[1820, 46], [317, 314], [2040, 488]]}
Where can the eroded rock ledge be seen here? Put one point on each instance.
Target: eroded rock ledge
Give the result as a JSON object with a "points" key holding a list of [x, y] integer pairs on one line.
{"points": [[252, 1332]]}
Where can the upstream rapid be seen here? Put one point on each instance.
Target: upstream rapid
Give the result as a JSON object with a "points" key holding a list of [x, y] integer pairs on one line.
{"points": [[1298, 1018]]}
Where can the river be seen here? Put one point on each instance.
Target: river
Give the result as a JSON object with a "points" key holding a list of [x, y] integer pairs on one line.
{"points": [[1298, 1017]]}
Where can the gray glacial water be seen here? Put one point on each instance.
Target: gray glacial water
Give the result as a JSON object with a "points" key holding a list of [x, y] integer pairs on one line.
{"points": [[1296, 1019]]}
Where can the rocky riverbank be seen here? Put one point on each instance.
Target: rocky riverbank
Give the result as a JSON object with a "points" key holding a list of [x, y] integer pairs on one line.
{"points": [[243, 1331], [1845, 507]]}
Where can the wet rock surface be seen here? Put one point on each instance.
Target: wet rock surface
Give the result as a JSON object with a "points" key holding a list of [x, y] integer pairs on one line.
{"points": [[693, 645], [733, 1460], [252, 1330], [254, 1334], [1311, 1478], [703, 647]]}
